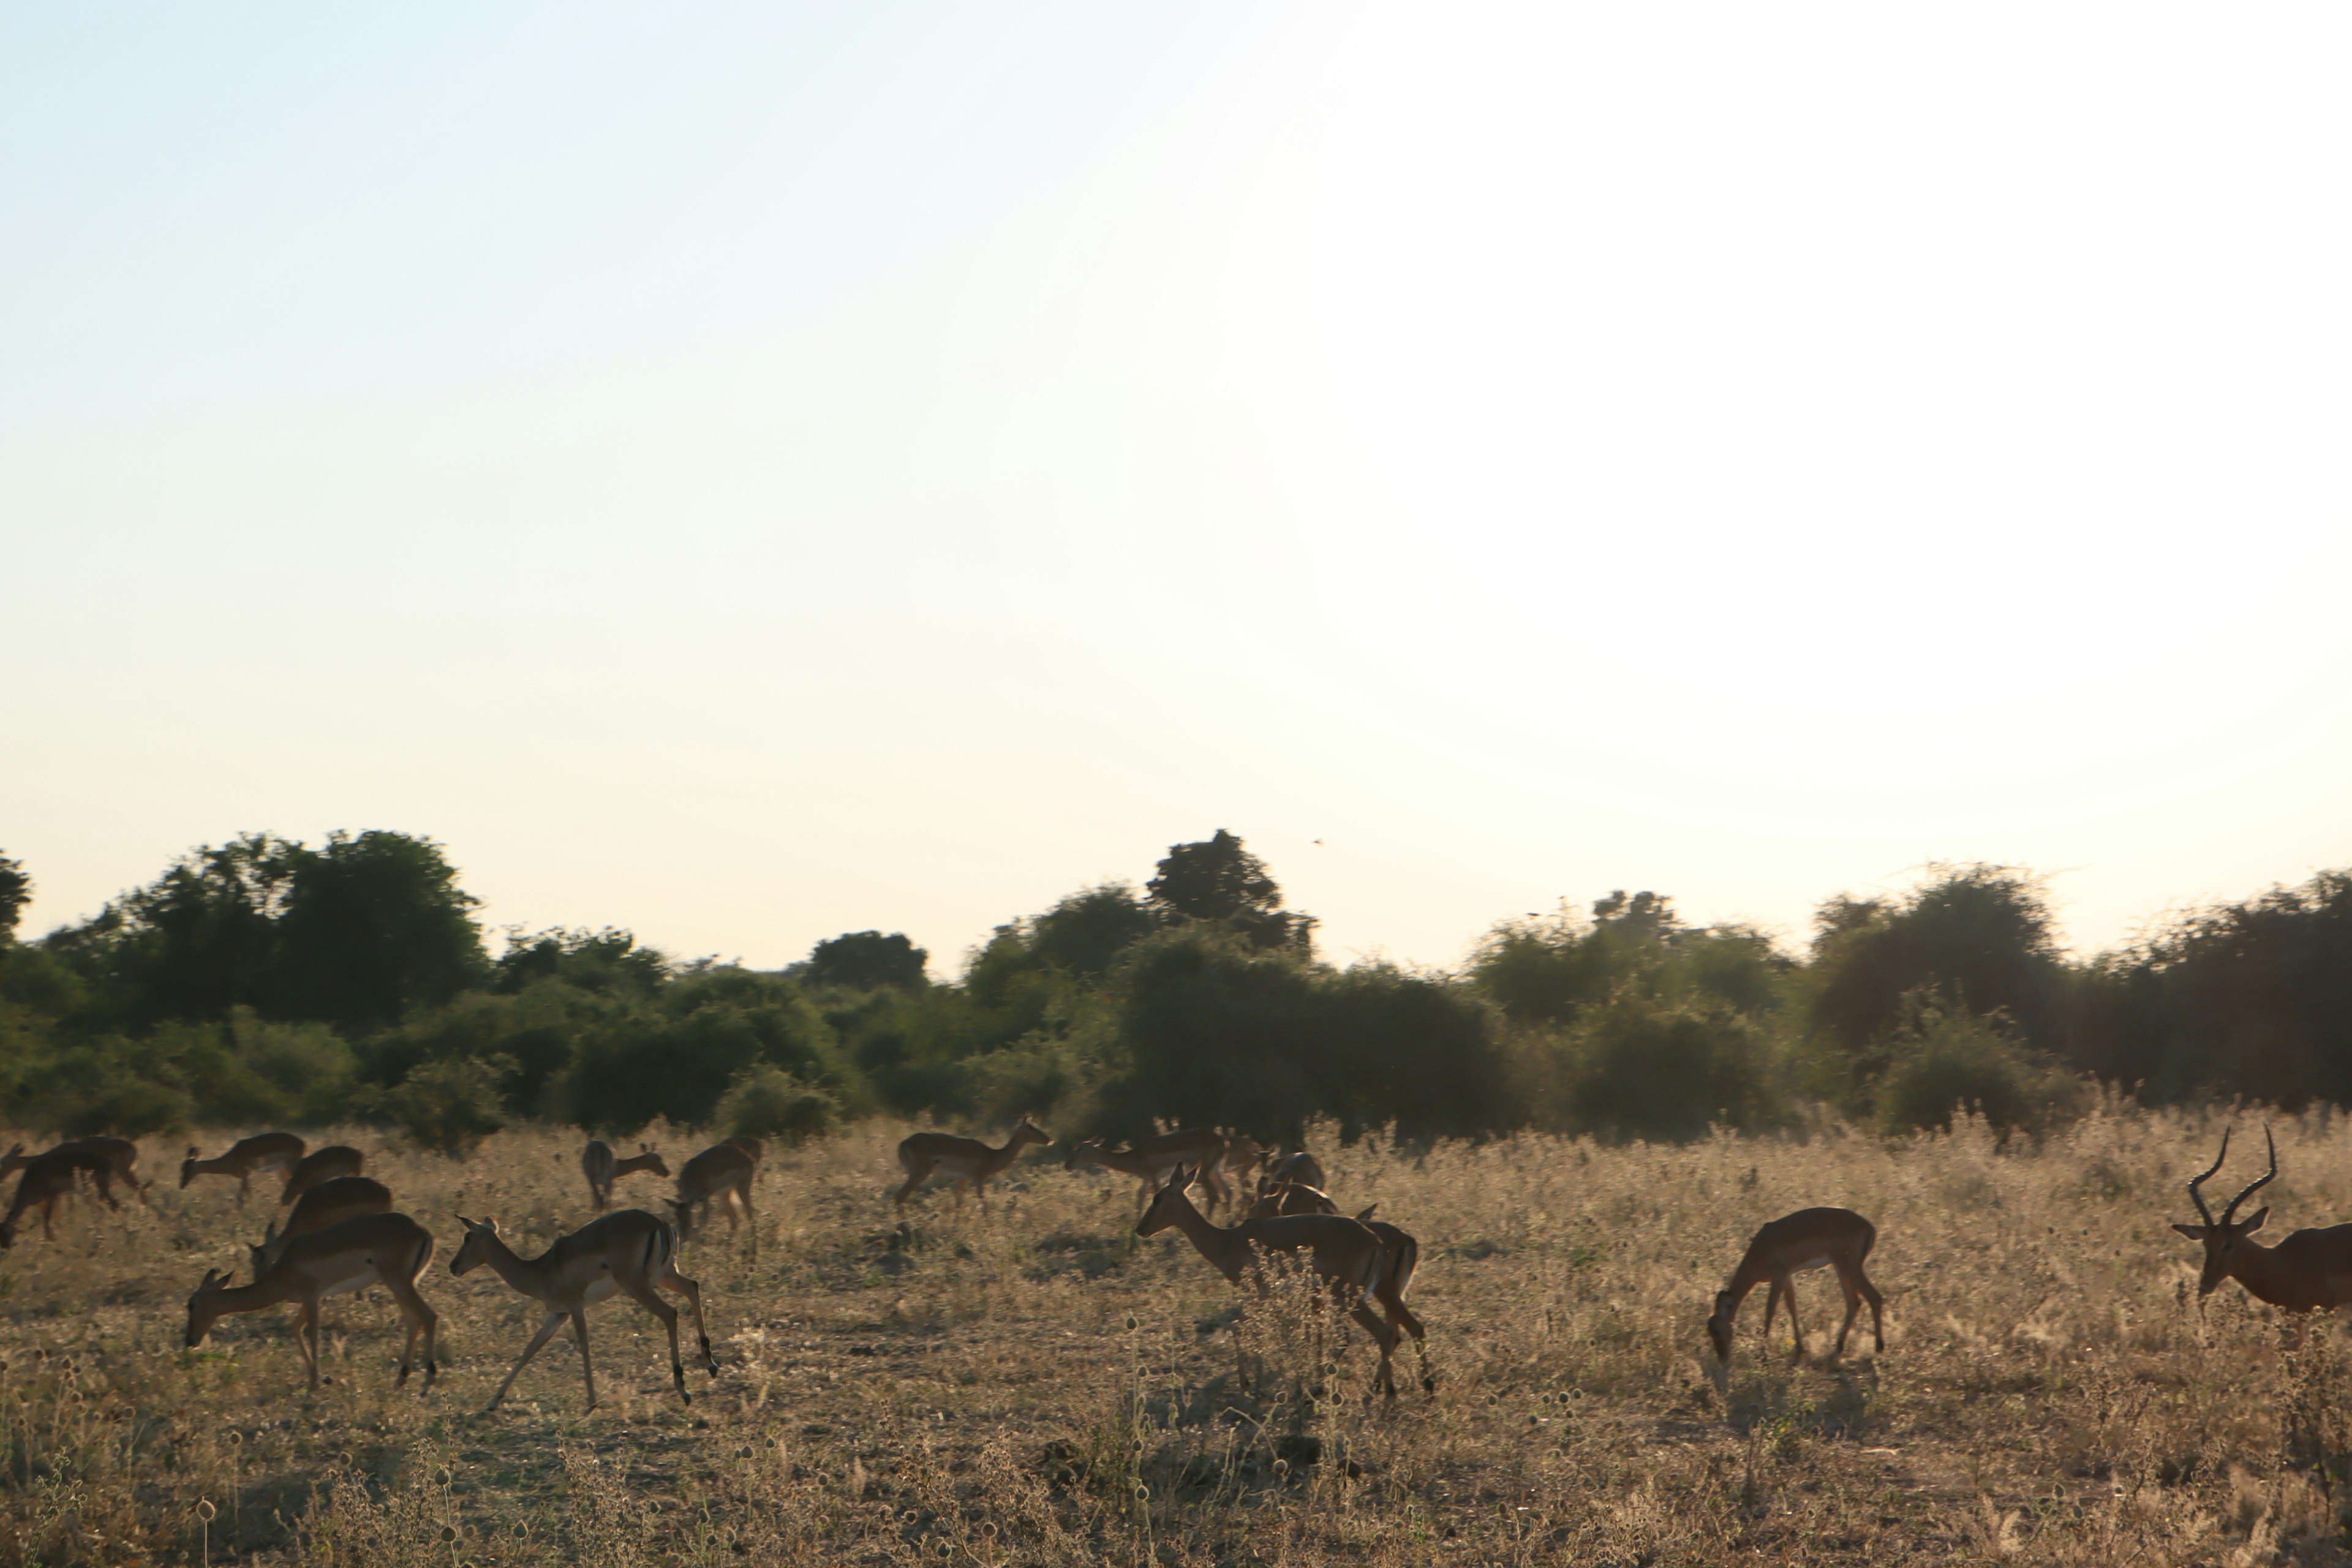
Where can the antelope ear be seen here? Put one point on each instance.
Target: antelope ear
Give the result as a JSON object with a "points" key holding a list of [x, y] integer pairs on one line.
{"points": [[2256, 1223], [212, 1277], [2193, 1232]]}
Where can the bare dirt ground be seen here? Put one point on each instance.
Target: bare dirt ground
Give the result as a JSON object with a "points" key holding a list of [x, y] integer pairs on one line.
{"points": [[1036, 1386]]}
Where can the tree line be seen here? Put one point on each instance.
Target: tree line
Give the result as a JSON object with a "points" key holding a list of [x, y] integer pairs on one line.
{"points": [[266, 981]]}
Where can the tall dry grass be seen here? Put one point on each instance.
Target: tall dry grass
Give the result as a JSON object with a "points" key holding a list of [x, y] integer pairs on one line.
{"points": [[1037, 1387]]}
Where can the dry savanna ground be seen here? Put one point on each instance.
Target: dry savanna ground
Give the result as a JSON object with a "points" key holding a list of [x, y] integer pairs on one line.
{"points": [[1038, 1387]]}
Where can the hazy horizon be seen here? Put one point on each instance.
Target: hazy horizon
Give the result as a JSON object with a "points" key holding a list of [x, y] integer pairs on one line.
{"points": [[746, 474]]}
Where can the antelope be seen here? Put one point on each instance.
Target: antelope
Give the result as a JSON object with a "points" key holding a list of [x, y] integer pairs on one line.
{"points": [[1787, 1246], [1243, 1156], [1348, 1255], [598, 1163], [1302, 1168], [48, 1177], [2310, 1270], [1294, 1197], [966, 1162], [387, 1249], [720, 1174], [1150, 1160], [262, 1152], [630, 1251], [120, 1153], [329, 1204], [321, 1165]]}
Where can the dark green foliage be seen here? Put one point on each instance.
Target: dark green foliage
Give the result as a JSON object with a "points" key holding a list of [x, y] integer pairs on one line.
{"points": [[868, 960], [2252, 999], [1943, 1060], [1638, 1068], [354, 933], [1088, 932], [1219, 881], [676, 1057], [1214, 1032], [605, 962], [769, 1102], [15, 892], [1979, 934], [371, 926], [446, 1107]]}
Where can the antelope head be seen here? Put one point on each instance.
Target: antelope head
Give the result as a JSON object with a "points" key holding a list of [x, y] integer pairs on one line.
{"points": [[203, 1307], [1162, 1212], [474, 1251], [2225, 1238], [1082, 1146], [188, 1168], [1028, 1131], [1719, 1325]]}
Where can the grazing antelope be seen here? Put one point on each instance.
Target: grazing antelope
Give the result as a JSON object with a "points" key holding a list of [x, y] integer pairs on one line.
{"points": [[598, 1163], [1787, 1246], [630, 1251], [2310, 1270], [120, 1153], [966, 1162], [720, 1174], [1302, 1168], [387, 1249], [1293, 1197], [50, 1177], [329, 1204], [262, 1152], [321, 1165], [1149, 1161], [1348, 1255]]}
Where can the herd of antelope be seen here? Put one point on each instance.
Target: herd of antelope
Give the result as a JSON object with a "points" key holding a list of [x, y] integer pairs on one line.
{"points": [[341, 1233]]}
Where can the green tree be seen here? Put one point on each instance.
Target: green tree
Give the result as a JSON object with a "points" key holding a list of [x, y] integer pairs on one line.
{"points": [[1218, 880], [1979, 935], [868, 960], [373, 926], [15, 892]]}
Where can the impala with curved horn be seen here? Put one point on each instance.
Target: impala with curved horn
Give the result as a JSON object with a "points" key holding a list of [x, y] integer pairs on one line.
{"points": [[2310, 1270]]}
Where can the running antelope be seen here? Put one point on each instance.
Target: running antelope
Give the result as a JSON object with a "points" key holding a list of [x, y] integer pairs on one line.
{"points": [[120, 1154], [1348, 1255], [50, 1177], [630, 1251], [387, 1249], [966, 1162], [329, 1204], [321, 1165], [2310, 1270], [599, 1164], [1150, 1160], [721, 1174], [262, 1152], [1786, 1247]]}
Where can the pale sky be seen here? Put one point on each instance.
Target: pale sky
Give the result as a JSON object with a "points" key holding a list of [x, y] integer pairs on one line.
{"points": [[750, 472]]}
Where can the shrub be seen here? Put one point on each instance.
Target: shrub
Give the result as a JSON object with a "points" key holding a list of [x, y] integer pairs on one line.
{"points": [[1637, 1069], [1945, 1059], [769, 1102], [446, 1107]]}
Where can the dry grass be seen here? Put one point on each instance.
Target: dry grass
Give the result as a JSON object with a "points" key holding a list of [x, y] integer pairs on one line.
{"points": [[1039, 1388]]}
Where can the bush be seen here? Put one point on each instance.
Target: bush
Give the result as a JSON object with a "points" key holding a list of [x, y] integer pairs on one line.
{"points": [[1945, 1059], [769, 1102], [1637, 1069], [446, 1107]]}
